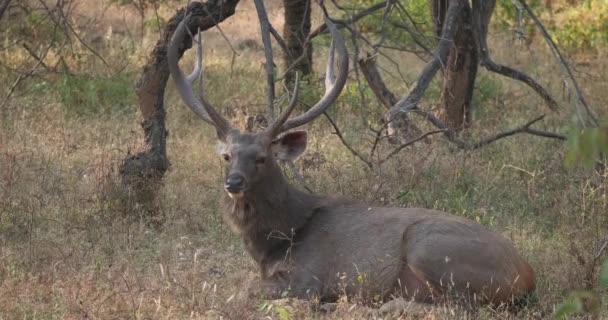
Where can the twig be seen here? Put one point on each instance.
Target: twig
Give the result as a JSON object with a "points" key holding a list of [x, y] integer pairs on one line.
{"points": [[278, 38], [265, 26], [24, 76], [521, 129], [562, 61], [461, 144], [69, 28], [408, 143], [346, 144], [342, 23], [35, 56], [413, 33]]}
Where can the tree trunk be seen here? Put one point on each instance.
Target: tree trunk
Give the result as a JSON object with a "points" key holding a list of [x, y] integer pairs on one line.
{"points": [[295, 32], [142, 173], [461, 69]]}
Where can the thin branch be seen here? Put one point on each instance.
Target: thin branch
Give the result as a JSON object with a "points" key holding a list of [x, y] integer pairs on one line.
{"points": [[521, 129], [346, 144], [417, 91], [342, 23], [482, 11], [35, 56], [465, 145], [24, 76], [546, 134], [265, 26], [562, 62], [515, 74], [408, 143], [415, 35], [68, 26], [278, 38]]}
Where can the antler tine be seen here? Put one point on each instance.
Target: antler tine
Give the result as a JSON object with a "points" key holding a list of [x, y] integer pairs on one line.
{"points": [[275, 127], [333, 84], [197, 73], [184, 84]]}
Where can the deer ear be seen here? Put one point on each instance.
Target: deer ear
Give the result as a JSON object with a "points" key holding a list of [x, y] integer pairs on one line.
{"points": [[289, 146]]}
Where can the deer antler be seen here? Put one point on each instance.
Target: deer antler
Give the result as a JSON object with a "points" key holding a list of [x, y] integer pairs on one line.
{"points": [[184, 83], [333, 85], [275, 127]]}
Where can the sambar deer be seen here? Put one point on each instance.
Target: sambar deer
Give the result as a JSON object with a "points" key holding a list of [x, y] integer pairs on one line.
{"points": [[316, 246]]}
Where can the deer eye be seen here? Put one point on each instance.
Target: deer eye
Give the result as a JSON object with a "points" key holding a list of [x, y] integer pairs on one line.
{"points": [[260, 160], [226, 157]]}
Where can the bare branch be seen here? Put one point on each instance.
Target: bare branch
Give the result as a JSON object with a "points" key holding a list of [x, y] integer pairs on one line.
{"points": [[416, 92], [278, 38], [415, 35], [515, 74], [521, 129], [321, 29], [265, 26], [408, 143], [373, 78], [465, 145], [69, 27], [562, 61], [24, 76], [151, 164], [482, 11], [346, 144]]}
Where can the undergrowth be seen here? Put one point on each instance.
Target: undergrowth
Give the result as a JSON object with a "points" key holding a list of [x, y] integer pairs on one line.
{"points": [[70, 248]]}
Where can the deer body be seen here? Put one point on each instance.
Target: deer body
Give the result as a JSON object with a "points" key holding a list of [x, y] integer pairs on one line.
{"points": [[307, 245], [332, 247]]}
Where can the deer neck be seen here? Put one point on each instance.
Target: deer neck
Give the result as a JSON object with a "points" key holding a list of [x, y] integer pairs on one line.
{"points": [[269, 215]]}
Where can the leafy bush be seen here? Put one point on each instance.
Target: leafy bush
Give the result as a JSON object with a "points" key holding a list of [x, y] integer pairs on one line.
{"points": [[586, 146], [579, 26]]}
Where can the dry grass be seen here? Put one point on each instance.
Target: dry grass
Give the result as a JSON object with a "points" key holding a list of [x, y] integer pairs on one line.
{"points": [[70, 249]]}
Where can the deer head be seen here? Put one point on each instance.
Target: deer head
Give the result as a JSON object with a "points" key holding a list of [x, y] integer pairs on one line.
{"points": [[252, 157]]}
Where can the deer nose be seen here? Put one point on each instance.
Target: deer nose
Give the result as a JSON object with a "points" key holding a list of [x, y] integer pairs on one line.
{"points": [[235, 183]]}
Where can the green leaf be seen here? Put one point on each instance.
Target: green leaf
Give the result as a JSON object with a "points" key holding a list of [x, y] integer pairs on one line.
{"points": [[604, 275], [567, 308], [283, 313], [573, 304]]}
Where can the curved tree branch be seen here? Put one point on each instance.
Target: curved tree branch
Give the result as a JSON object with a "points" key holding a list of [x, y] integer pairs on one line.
{"points": [[424, 79], [482, 13], [149, 166]]}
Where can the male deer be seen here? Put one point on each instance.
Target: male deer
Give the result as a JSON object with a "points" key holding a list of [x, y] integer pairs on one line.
{"points": [[314, 246]]}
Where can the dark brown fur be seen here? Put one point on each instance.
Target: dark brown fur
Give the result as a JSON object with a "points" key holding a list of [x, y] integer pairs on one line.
{"points": [[308, 245]]}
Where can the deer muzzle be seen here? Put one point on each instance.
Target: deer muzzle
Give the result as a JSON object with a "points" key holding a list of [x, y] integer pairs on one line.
{"points": [[235, 184]]}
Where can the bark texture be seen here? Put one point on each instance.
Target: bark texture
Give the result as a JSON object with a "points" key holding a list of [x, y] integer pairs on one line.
{"points": [[295, 32], [461, 69], [142, 172]]}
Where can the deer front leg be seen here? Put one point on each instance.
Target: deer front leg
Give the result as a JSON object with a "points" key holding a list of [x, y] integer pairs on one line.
{"points": [[273, 287]]}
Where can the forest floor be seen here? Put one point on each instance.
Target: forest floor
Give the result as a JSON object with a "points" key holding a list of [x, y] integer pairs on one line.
{"points": [[71, 249]]}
